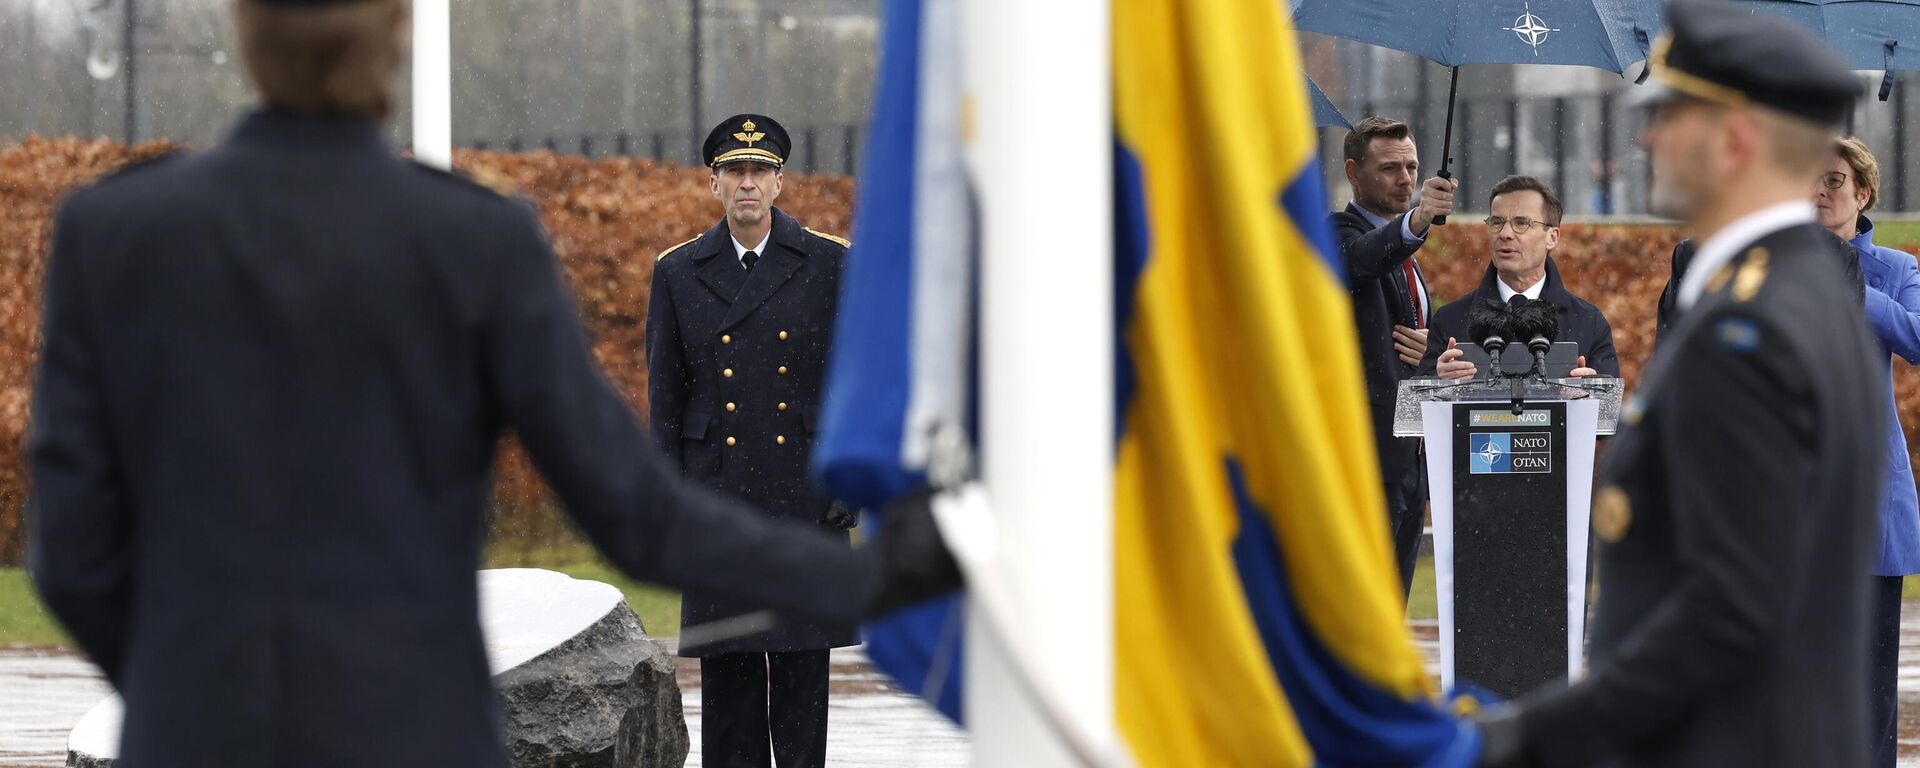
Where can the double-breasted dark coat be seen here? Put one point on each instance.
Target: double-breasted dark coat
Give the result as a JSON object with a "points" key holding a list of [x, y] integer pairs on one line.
{"points": [[735, 364], [272, 380], [1737, 517]]}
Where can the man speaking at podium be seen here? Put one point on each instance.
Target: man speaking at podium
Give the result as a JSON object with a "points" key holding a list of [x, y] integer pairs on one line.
{"points": [[1524, 228]]}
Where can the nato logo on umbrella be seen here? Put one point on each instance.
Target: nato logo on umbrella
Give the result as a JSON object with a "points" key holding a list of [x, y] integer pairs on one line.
{"points": [[1531, 29]]}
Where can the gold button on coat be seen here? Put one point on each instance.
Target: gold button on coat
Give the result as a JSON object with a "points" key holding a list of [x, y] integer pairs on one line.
{"points": [[727, 373], [1612, 514], [780, 439], [783, 370], [730, 441], [783, 335], [726, 339], [783, 406], [730, 407]]}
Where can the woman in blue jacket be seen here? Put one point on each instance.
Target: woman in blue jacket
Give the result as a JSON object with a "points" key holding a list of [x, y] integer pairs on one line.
{"points": [[1847, 190]]}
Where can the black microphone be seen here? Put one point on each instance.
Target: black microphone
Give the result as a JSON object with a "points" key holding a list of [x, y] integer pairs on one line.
{"points": [[1537, 321], [1489, 324]]}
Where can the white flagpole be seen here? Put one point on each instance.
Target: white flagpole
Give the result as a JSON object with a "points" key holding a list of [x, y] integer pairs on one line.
{"points": [[1038, 75], [432, 84]]}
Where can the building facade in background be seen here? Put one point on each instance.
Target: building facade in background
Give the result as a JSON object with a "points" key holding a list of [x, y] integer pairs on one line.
{"points": [[577, 76], [599, 77]]}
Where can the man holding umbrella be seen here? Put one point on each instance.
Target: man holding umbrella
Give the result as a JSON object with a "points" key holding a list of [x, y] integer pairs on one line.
{"points": [[1379, 232], [1736, 508]]}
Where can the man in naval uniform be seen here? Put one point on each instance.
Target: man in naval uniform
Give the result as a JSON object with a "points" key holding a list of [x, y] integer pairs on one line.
{"points": [[1736, 509], [738, 329]]}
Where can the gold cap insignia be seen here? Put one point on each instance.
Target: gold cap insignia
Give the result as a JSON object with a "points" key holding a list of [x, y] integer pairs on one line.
{"points": [[748, 134], [1752, 275], [1612, 514]]}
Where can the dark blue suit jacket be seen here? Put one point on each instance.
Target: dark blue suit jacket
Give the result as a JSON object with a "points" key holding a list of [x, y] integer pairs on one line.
{"points": [[273, 378], [1378, 287]]}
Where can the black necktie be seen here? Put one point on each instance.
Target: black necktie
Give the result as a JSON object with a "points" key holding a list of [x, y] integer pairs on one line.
{"points": [[1519, 300], [748, 259]]}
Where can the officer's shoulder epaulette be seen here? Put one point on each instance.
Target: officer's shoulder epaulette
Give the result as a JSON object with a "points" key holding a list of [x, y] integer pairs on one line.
{"points": [[479, 178], [675, 247], [824, 236]]}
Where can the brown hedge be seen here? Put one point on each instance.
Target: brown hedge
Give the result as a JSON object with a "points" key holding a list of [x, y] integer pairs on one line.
{"points": [[608, 218]]}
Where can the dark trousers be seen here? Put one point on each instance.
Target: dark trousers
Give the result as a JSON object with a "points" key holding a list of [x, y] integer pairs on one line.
{"points": [[749, 699], [1885, 680], [1406, 518]]}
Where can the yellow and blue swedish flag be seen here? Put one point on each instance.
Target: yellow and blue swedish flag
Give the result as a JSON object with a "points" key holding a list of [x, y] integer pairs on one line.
{"points": [[1250, 539]]}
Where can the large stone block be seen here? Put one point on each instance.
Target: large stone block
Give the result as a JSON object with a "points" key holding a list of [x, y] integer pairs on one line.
{"points": [[581, 685]]}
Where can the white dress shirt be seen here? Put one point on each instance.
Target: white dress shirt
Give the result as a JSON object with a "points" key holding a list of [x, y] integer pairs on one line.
{"points": [[1532, 291], [740, 251]]}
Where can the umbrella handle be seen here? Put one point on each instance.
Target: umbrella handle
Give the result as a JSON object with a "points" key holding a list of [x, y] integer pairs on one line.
{"points": [[1886, 78], [1446, 146]]}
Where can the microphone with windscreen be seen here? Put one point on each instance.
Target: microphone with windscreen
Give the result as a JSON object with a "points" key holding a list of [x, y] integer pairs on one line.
{"points": [[1537, 321], [1490, 324]]}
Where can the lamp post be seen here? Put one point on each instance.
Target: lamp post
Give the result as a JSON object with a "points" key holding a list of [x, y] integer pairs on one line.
{"points": [[697, 132], [131, 61]]}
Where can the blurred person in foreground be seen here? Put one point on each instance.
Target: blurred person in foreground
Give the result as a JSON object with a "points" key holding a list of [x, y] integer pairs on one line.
{"points": [[1523, 228], [272, 380], [1378, 234], [1849, 186], [1736, 507]]}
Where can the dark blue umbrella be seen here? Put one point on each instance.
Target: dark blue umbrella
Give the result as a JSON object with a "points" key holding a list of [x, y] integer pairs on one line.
{"points": [[1869, 34], [1609, 34], [1325, 114]]}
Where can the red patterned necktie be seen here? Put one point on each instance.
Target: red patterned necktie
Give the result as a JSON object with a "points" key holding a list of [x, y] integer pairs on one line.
{"points": [[1413, 294]]}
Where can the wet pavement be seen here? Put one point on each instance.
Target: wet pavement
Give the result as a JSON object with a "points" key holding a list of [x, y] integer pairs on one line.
{"points": [[44, 692]]}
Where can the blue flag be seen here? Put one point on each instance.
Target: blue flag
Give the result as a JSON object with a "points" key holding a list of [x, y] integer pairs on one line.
{"points": [[900, 381]]}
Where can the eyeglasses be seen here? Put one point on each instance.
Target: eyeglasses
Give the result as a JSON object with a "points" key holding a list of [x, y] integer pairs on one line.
{"points": [[1520, 224], [1834, 180]]}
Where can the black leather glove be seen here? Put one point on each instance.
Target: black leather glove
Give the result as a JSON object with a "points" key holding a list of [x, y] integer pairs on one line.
{"points": [[840, 517], [1503, 740], [915, 564]]}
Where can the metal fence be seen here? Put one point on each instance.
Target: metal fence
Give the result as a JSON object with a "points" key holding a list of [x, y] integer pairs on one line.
{"points": [[1587, 147], [816, 149]]}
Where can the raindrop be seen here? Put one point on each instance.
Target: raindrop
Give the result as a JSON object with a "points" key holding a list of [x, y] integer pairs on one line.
{"points": [[219, 57], [103, 62]]}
